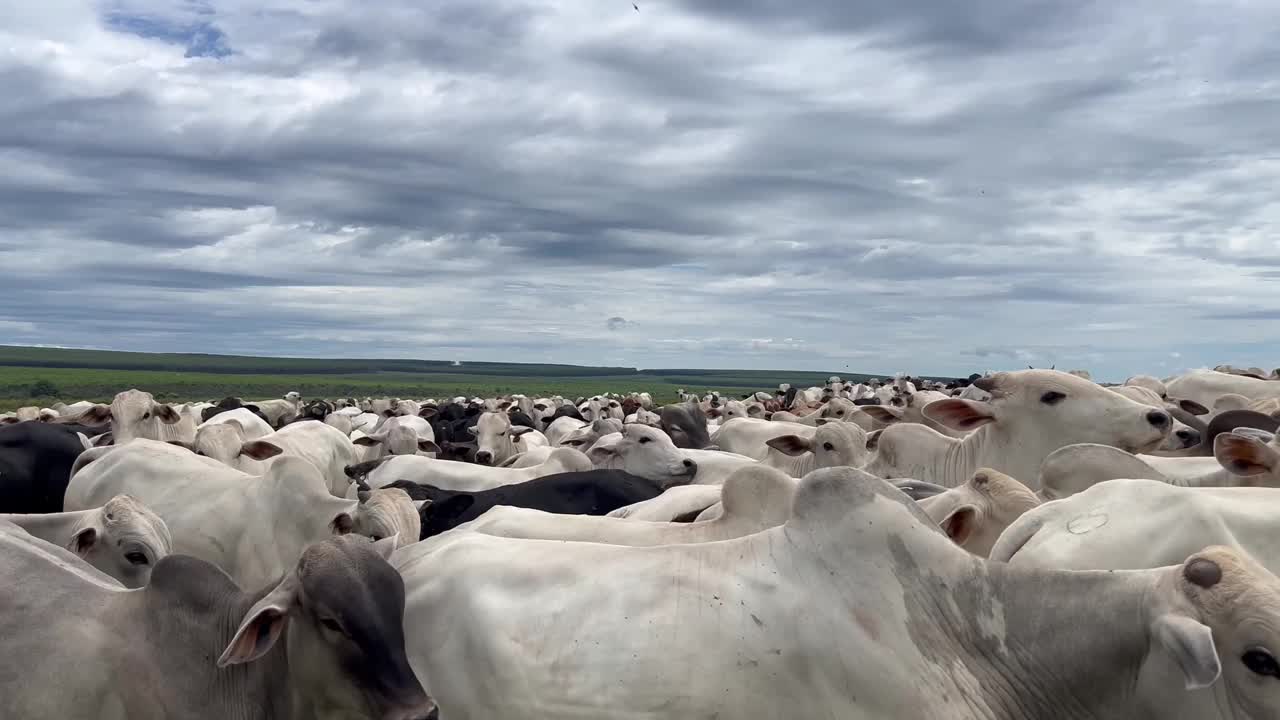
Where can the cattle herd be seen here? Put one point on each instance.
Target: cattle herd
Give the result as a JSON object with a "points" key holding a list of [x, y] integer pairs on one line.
{"points": [[1024, 544]]}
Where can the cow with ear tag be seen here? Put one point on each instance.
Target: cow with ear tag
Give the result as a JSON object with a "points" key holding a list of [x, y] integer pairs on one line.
{"points": [[915, 627], [325, 640]]}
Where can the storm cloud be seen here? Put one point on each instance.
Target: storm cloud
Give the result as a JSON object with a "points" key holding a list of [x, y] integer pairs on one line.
{"points": [[923, 186]]}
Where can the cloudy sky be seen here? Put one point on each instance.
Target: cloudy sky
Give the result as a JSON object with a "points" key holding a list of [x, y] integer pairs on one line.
{"points": [[926, 185]]}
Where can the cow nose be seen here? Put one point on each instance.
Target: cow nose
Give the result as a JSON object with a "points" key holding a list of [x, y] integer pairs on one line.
{"points": [[484, 457], [1158, 418], [690, 467]]}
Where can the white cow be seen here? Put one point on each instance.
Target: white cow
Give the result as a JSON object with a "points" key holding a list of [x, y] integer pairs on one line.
{"points": [[465, 477], [497, 439], [679, 503], [1206, 386], [136, 414], [841, 410], [562, 428], [388, 513], [643, 417], [650, 453], [252, 427], [342, 423], [976, 513], [1181, 436], [1243, 457], [281, 411], [529, 458], [910, 409], [1135, 524], [1148, 382], [754, 498], [834, 444], [123, 538], [750, 436], [399, 435], [227, 442], [324, 446], [253, 527], [1031, 414], [909, 626]]}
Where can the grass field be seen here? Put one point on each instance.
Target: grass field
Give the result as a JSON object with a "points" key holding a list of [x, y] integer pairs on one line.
{"points": [[40, 376]]}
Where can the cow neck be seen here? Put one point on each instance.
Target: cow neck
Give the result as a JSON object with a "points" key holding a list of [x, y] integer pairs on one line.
{"points": [[1053, 653], [192, 612], [57, 528], [991, 446]]}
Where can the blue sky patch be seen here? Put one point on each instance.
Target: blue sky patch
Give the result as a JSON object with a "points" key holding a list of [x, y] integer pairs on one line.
{"points": [[201, 38]]}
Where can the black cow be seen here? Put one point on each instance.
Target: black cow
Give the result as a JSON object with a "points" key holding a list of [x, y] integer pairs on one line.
{"points": [[592, 492], [35, 466], [449, 423], [313, 410], [230, 403], [562, 411], [519, 418]]}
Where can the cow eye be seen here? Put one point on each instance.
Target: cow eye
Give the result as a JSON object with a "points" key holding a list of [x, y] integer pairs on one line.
{"points": [[136, 558], [502, 434], [146, 415], [1053, 397], [839, 413], [331, 624], [1261, 662], [644, 440], [828, 447]]}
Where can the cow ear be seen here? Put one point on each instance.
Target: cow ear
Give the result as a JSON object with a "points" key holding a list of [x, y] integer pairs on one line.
{"points": [[83, 541], [96, 415], [886, 415], [367, 441], [792, 445], [428, 412], [873, 439], [473, 430], [960, 523], [960, 414], [1245, 456], [518, 430], [428, 446], [599, 455], [1193, 407], [342, 524], [263, 624], [1191, 645], [260, 449], [104, 439], [167, 414]]}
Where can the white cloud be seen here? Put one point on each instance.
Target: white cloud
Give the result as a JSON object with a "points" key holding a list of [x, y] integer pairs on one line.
{"points": [[924, 187]]}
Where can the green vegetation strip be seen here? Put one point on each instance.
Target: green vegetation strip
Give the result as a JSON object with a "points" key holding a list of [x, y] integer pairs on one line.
{"points": [[40, 376]]}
